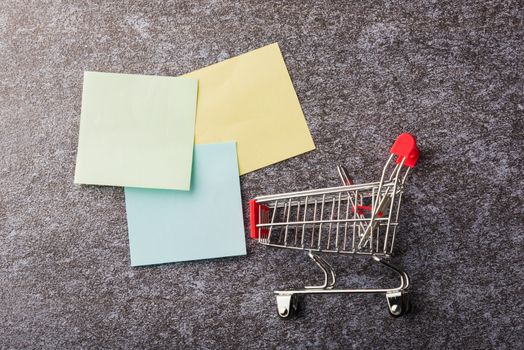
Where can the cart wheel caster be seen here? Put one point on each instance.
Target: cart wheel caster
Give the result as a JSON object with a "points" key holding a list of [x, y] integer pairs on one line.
{"points": [[287, 306], [398, 303]]}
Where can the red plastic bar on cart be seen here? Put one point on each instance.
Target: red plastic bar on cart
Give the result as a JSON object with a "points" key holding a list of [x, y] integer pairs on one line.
{"points": [[406, 147], [254, 219], [362, 208]]}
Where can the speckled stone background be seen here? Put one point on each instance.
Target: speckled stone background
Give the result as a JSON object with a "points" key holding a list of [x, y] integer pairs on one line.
{"points": [[451, 72]]}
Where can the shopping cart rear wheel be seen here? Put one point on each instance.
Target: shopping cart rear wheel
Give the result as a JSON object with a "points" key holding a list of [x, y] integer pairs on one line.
{"points": [[399, 303], [287, 306]]}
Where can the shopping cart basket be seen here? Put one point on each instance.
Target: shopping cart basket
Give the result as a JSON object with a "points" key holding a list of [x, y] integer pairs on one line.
{"points": [[358, 219]]}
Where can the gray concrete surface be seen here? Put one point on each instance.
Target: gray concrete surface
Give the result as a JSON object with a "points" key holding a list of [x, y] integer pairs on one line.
{"points": [[448, 71]]}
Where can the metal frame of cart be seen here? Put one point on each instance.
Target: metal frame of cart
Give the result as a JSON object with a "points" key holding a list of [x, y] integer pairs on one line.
{"points": [[358, 219]]}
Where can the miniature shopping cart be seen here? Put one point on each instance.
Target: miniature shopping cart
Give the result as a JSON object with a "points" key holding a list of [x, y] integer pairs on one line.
{"points": [[359, 219]]}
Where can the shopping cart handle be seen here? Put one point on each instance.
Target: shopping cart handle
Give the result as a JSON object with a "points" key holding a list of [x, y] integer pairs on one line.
{"points": [[405, 147]]}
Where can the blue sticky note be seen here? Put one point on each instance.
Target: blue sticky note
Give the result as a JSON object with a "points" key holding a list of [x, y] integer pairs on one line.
{"points": [[205, 222]]}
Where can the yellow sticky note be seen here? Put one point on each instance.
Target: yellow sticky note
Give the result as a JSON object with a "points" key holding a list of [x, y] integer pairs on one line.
{"points": [[250, 98]]}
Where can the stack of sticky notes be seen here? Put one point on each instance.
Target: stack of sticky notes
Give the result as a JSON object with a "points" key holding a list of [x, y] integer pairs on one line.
{"points": [[179, 144]]}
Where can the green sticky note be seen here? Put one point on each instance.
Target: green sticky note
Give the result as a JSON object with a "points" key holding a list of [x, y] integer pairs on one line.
{"points": [[203, 223], [136, 130]]}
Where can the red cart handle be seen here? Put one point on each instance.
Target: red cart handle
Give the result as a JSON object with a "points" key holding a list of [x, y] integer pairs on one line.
{"points": [[406, 147]]}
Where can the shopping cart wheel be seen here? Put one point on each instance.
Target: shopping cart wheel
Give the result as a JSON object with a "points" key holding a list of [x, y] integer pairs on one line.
{"points": [[287, 305], [398, 303]]}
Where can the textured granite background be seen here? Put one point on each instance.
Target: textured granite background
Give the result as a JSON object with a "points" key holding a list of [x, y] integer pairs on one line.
{"points": [[451, 72]]}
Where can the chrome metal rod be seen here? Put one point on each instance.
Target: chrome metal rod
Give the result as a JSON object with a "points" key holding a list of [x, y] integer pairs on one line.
{"points": [[319, 222]]}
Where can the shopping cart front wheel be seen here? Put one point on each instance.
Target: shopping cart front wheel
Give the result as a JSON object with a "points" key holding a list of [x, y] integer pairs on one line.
{"points": [[287, 305]]}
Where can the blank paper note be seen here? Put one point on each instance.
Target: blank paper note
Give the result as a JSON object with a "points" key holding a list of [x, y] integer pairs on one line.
{"points": [[250, 98], [205, 222], [136, 130]]}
